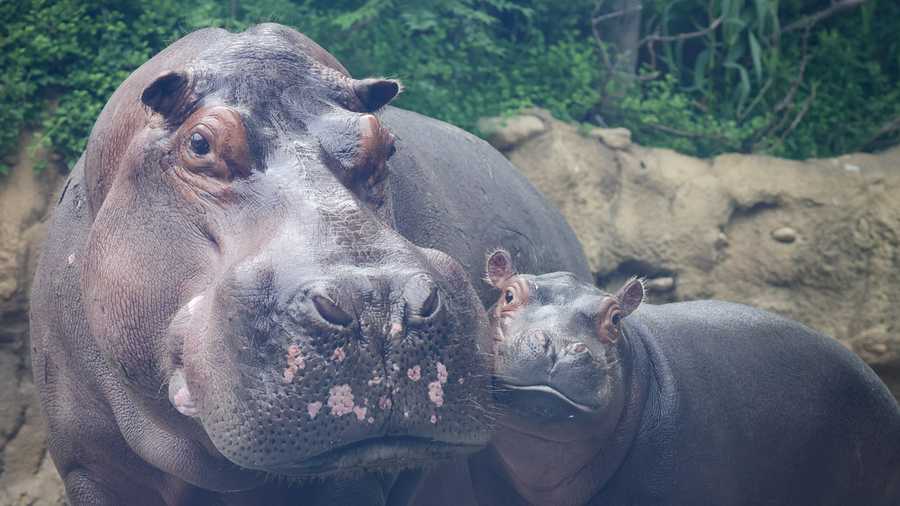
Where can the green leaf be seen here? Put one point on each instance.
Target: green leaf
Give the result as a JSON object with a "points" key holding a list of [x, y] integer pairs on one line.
{"points": [[700, 69], [755, 53], [743, 91]]}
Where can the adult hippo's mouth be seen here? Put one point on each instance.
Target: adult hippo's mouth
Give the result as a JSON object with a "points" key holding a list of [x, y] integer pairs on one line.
{"points": [[376, 454]]}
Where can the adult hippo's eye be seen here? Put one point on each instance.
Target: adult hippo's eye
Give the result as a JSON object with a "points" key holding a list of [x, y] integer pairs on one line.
{"points": [[509, 297], [199, 144]]}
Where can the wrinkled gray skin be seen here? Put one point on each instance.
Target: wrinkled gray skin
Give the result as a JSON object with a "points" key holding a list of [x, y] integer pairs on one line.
{"points": [[240, 291], [691, 403]]}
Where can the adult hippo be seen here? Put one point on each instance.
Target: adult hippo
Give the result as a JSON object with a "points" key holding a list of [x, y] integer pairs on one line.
{"points": [[610, 401], [238, 286]]}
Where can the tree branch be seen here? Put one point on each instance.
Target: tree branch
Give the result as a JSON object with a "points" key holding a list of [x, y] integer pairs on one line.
{"points": [[891, 127], [803, 110], [812, 19], [656, 37], [617, 14]]}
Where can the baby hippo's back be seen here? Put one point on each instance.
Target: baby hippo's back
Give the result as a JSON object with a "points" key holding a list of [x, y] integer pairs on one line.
{"points": [[747, 407]]}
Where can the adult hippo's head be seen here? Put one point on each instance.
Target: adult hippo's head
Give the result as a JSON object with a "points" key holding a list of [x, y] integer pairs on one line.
{"points": [[242, 275]]}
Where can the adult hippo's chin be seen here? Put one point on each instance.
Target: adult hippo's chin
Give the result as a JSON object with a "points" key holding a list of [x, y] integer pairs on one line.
{"points": [[238, 283]]}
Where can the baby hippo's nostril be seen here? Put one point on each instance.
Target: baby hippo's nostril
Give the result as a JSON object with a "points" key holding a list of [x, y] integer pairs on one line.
{"points": [[330, 311], [422, 297]]}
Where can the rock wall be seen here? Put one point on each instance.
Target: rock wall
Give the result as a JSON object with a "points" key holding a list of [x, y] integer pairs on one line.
{"points": [[816, 241], [27, 475]]}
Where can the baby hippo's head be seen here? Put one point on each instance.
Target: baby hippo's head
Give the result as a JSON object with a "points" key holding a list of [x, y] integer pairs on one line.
{"points": [[557, 342]]}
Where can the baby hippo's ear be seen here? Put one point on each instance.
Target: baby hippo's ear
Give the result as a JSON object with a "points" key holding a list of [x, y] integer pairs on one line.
{"points": [[630, 296], [499, 267]]}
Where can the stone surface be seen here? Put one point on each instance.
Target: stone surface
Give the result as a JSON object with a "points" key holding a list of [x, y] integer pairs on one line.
{"points": [[27, 475], [657, 285], [816, 241], [616, 138], [784, 234], [505, 133]]}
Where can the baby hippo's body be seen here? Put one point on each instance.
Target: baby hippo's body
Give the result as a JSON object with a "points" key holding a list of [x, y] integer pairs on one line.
{"points": [[609, 401]]}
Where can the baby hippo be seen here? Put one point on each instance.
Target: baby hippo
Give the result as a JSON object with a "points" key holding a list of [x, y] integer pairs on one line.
{"points": [[610, 401]]}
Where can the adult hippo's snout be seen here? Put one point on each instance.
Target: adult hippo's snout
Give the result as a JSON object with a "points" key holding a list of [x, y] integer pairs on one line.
{"points": [[296, 371]]}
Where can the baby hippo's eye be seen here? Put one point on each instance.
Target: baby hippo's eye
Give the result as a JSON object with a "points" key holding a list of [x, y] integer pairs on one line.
{"points": [[199, 144], [616, 318], [509, 297]]}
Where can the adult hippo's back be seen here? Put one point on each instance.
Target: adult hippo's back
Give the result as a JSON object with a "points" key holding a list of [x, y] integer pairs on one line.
{"points": [[238, 285], [457, 194]]}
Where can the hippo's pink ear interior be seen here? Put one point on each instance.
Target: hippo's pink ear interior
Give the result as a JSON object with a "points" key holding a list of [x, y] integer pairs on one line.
{"points": [[499, 267], [376, 93], [630, 295], [168, 93]]}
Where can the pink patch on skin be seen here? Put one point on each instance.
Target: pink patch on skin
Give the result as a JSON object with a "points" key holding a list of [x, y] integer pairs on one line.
{"points": [[313, 409], [436, 393], [338, 355], [184, 404], [340, 400], [360, 412], [441, 372], [396, 329], [294, 363], [384, 403], [433, 418], [415, 373]]}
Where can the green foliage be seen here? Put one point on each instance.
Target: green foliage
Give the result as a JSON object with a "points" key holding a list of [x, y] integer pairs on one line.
{"points": [[459, 59], [733, 87], [752, 79], [63, 59], [855, 68]]}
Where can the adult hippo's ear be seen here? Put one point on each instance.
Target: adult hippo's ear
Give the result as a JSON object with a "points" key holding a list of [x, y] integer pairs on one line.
{"points": [[169, 94], [376, 93], [499, 268]]}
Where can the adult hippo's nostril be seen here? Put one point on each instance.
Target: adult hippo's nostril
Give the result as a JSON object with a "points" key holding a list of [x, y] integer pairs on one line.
{"points": [[431, 304], [423, 298], [576, 349], [330, 311]]}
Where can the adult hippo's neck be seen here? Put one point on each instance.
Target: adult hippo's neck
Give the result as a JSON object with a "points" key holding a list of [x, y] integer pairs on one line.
{"points": [[584, 468]]}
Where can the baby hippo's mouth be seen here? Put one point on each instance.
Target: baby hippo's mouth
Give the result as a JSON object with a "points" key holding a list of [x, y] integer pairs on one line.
{"points": [[541, 401]]}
